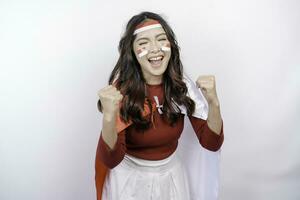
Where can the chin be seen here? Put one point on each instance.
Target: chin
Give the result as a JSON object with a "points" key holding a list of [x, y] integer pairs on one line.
{"points": [[158, 72]]}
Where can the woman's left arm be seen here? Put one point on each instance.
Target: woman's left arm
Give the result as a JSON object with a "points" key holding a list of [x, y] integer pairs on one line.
{"points": [[207, 84]]}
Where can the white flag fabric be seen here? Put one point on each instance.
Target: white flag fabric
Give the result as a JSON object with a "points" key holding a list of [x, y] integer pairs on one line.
{"points": [[202, 166]]}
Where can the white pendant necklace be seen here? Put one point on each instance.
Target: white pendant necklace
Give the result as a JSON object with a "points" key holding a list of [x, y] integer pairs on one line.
{"points": [[159, 107]]}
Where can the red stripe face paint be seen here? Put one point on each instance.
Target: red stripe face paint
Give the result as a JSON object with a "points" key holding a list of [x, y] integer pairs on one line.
{"points": [[148, 24], [166, 47], [142, 52]]}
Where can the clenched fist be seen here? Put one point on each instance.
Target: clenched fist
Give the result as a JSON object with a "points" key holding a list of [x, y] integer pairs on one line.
{"points": [[110, 98], [207, 85]]}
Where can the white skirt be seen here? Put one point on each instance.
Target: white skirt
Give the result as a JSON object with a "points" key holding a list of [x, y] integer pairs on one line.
{"points": [[139, 179]]}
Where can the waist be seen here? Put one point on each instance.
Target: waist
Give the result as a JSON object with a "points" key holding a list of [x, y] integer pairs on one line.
{"points": [[151, 165], [152, 153]]}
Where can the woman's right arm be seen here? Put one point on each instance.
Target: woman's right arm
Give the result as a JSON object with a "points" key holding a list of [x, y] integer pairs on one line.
{"points": [[111, 157], [109, 130], [111, 147], [110, 99]]}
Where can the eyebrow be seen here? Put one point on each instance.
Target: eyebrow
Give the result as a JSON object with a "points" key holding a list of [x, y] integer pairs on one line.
{"points": [[145, 38], [160, 34]]}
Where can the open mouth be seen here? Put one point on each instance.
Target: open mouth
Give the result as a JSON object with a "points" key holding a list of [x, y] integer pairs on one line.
{"points": [[156, 61]]}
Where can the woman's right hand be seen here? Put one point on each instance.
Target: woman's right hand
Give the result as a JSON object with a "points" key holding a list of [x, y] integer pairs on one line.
{"points": [[110, 99]]}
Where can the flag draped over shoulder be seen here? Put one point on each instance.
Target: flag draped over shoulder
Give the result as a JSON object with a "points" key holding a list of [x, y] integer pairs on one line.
{"points": [[202, 166]]}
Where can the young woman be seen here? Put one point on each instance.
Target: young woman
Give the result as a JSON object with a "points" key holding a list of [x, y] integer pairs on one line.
{"points": [[143, 116]]}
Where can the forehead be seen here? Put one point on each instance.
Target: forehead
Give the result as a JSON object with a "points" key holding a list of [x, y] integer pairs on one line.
{"points": [[150, 33]]}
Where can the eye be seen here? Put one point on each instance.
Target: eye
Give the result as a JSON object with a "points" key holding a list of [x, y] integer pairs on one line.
{"points": [[142, 43], [162, 39]]}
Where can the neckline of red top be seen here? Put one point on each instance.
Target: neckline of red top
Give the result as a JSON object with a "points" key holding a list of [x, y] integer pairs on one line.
{"points": [[155, 85]]}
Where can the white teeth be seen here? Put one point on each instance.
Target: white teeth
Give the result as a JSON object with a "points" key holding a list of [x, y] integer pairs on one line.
{"points": [[157, 58]]}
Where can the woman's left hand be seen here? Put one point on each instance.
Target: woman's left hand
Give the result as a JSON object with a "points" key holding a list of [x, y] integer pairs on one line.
{"points": [[207, 84]]}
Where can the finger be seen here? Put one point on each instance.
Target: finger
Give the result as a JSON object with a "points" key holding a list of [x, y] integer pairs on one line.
{"points": [[105, 89], [206, 77], [210, 80], [203, 88], [110, 91], [120, 96], [115, 92], [202, 83], [207, 87], [114, 96]]}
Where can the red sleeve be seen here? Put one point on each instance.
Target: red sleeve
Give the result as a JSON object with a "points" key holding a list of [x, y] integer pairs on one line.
{"points": [[207, 138], [112, 157]]}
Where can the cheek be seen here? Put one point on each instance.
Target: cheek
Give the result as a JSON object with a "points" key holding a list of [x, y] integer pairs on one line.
{"points": [[141, 52], [168, 56], [166, 47]]}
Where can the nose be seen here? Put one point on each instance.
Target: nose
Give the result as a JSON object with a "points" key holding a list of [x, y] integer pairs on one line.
{"points": [[154, 47], [156, 50]]}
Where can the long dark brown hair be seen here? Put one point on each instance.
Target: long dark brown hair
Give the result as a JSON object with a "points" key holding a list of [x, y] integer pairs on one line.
{"points": [[131, 83]]}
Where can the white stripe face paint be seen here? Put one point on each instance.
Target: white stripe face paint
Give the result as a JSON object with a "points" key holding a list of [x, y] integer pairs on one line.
{"points": [[145, 28], [165, 48], [142, 52]]}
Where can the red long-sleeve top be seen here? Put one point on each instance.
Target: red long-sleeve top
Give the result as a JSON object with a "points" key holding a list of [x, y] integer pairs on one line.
{"points": [[159, 141]]}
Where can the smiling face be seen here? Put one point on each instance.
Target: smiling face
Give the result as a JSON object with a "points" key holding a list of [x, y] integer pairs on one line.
{"points": [[152, 50]]}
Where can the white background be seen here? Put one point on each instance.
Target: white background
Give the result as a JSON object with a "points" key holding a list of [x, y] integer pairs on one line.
{"points": [[56, 55]]}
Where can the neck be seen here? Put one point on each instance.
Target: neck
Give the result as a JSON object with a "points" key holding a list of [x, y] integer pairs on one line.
{"points": [[154, 80]]}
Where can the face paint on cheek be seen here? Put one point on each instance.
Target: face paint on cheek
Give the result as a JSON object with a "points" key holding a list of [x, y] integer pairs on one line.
{"points": [[166, 47], [142, 52]]}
